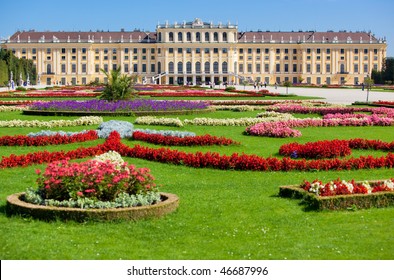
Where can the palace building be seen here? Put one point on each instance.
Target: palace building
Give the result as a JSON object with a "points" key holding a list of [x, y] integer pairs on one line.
{"points": [[200, 52]]}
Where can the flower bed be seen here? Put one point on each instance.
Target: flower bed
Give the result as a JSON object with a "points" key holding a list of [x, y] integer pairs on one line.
{"points": [[119, 106], [202, 160], [54, 123], [342, 195], [105, 182], [149, 120], [198, 94], [332, 148], [204, 140], [58, 139], [51, 95]]}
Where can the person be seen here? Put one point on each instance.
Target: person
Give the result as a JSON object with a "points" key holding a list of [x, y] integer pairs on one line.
{"points": [[265, 84], [276, 85], [362, 86], [254, 85]]}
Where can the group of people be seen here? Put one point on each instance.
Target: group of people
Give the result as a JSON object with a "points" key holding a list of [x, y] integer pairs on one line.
{"points": [[259, 85]]}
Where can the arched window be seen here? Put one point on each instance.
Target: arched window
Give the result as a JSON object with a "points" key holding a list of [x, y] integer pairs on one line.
{"points": [[206, 36], [180, 37], [188, 67], [180, 68], [198, 67], [224, 68], [198, 37], [224, 37], [188, 36], [171, 37], [171, 67], [159, 36], [159, 67], [216, 67], [215, 37], [49, 69], [207, 67]]}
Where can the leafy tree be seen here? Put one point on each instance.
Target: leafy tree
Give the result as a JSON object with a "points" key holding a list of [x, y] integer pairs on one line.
{"points": [[245, 83], [368, 83], [3, 73], [119, 86], [287, 84]]}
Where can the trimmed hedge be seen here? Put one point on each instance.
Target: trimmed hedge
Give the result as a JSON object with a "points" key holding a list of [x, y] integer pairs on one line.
{"points": [[338, 202]]}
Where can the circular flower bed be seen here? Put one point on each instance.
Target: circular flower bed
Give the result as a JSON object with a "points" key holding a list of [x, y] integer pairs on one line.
{"points": [[105, 182]]}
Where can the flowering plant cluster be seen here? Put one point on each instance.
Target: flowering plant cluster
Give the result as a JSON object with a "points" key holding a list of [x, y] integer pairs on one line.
{"points": [[54, 123], [204, 140], [194, 93], [11, 108], [56, 139], [316, 150], [125, 129], [175, 133], [17, 102], [202, 160], [382, 102], [342, 187], [273, 129], [149, 120], [119, 106], [102, 178], [236, 108], [259, 129], [54, 94], [263, 102]]}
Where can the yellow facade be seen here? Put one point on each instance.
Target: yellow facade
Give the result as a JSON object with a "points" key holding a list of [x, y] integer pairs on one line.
{"points": [[198, 52]]}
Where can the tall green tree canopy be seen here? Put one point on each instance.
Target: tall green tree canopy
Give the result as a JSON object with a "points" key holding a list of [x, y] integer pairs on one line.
{"points": [[10, 63]]}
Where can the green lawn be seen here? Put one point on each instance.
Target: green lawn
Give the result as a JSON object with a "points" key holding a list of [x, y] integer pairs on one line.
{"points": [[222, 214]]}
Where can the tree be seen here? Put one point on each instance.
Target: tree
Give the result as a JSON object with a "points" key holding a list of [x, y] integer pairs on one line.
{"points": [[287, 84], [3, 73], [300, 79], [119, 87], [245, 82], [368, 82]]}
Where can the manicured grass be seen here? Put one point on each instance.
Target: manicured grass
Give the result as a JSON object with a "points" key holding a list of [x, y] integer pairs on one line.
{"points": [[222, 214]]}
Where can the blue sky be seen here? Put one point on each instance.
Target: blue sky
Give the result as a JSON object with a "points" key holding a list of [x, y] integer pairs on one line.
{"points": [[278, 15]]}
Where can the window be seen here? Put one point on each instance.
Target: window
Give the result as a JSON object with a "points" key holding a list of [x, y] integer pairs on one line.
{"points": [[84, 50], [277, 51], [126, 50], [114, 66], [73, 68], [365, 51], [144, 57], [34, 51], [171, 50], [188, 50], [84, 68], [180, 36], [249, 67], [355, 51], [318, 51], [63, 68], [266, 67], [318, 70], [96, 51], [188, 67], [152, 51], [73, 57], [144, 68], [198, 50], [48, 51], [188, 36], [294, 51], [308, 51], [241, 68], [308, 68], [206, 50], [241, 51], [198, 67], [224, 68], [216, 67], [152, 68], [135, 51], [73, 50], [258, 51], [375, 51], [179, 50], [249, 51], [224, 50], [328, 51], [258, 67], [207, 67], [224, 36], [355, 68], [63, 50], [97, 68], [215, 50], [106, 67], [135, 68], [207, 36], [342, 51], [365, 68], [144, 51], [198, 37], [84, 57], [266, 51], [126, 68], [277, 68], [171, 37], [180, 68], [171, 67], [294, 68], [328, 68], [286, 68], [84, 80], [215, 37]]}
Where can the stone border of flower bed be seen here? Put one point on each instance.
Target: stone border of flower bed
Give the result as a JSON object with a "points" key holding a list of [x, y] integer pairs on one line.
{"points": [[135, 113], [15, 206], [337, 202]]}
